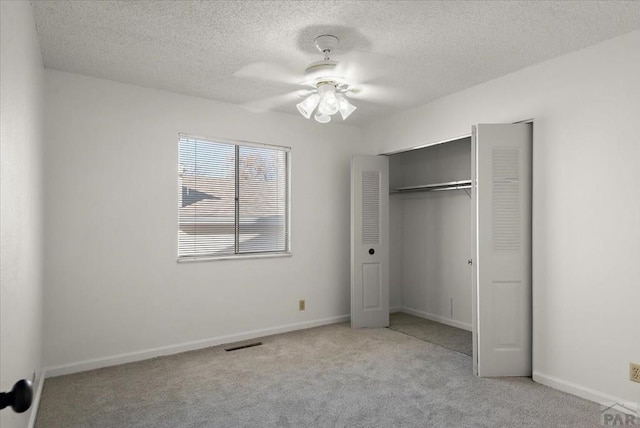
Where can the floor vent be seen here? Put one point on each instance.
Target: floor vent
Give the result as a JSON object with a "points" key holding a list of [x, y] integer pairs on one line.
{"points": [[248, 345]]}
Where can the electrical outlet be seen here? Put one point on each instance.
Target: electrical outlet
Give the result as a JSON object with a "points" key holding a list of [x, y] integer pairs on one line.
{"points": [[634, 372], [301, 305]]}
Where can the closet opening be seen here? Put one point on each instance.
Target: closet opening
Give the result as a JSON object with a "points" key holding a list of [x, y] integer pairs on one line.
{"points": [[423, 245], [430, 224]]}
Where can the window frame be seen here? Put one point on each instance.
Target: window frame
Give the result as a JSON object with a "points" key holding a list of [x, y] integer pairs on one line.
{"points": [[238, 256]]}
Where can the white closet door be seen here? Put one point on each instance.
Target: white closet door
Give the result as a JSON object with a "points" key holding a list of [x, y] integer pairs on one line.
{"points": [[369, 241], [502, 275]]}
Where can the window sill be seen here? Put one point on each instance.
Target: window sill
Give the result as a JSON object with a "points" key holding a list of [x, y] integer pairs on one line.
{"points": [[233, 257]]}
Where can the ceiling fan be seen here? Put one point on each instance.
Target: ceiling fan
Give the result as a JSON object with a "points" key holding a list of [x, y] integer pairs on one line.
{"points": [[326, 83], [328, 97]]}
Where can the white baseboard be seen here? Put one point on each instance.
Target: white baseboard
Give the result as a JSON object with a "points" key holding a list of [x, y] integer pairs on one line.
{"points": [[131, 357], [394, 309], [579, 390], [438, 318], [35, 404]]}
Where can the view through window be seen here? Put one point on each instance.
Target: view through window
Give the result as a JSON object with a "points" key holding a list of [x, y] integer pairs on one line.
{"points": [[233, 198]]}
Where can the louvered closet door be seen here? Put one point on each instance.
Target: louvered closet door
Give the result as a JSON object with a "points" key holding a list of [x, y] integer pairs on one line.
{"points": [[369, 241], [502, 289]]}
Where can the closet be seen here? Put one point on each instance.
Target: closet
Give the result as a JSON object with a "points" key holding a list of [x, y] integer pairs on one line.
{"points": [[430, 232], [448, 225]]}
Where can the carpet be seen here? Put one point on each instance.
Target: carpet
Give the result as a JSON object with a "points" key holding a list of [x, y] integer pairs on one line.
{"points": [[330, 376], [453, 338]]}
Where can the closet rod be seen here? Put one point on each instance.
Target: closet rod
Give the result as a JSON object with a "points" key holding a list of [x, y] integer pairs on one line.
{"points": [[436, 187]]}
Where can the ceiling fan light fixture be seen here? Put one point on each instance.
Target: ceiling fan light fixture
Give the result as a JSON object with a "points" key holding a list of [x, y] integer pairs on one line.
{"points": [[328, 85], [321, 117], [346, 108], [307, 105]]}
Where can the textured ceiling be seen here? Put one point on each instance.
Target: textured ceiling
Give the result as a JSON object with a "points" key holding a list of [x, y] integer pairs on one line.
{"points": [[417, 50]]}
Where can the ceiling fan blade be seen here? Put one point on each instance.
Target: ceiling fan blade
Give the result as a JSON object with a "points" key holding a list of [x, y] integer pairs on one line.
{"points": [[270, 72], [379, 94], [364, 66], [266, 104]]}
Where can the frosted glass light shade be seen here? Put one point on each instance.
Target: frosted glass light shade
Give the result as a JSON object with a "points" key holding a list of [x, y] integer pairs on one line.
{"points": [[321, 117], [346, 108], [328, 104], [307, 105], [328, 101]]}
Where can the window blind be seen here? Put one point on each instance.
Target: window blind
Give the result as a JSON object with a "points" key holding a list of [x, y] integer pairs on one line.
{"points": [[233, 199]]}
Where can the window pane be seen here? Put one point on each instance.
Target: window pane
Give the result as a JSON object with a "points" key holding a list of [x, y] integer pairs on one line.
{"points": [[206, 203], [263, 200]]}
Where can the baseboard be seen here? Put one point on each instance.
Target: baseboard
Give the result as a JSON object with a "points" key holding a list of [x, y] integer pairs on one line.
{"points": [[438, 318], [35, 404], [131, 357], [394, 309], [581, 391]]}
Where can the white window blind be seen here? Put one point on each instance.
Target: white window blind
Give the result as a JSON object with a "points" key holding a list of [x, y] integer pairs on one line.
{"points": [[233, 198]]}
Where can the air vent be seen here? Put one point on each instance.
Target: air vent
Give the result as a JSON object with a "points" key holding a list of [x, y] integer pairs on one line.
{"points": [[248, 345]]}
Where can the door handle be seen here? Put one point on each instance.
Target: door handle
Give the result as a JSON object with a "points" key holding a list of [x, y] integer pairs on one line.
{"points": [[19, 398], [372, 251]]}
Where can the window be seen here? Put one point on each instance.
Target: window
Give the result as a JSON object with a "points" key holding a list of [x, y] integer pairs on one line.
{"points": [[233, 199]]}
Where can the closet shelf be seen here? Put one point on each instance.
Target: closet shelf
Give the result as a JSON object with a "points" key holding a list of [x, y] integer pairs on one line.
{"points": [[435, 187]]}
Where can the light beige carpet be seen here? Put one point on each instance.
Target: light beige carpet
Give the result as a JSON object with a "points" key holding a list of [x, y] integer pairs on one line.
{"points": [[453, 338], [331, 376]]}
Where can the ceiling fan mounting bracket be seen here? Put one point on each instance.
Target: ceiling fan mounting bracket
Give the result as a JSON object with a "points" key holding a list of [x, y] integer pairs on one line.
{"points": [[326, 43]]}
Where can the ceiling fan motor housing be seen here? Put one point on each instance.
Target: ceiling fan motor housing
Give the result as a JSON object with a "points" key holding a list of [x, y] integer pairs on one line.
{"points": [[322, 71]]}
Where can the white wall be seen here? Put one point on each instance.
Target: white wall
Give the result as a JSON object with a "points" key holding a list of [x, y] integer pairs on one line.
{"points": [[20, 202], [112, 282], [586, 203]]}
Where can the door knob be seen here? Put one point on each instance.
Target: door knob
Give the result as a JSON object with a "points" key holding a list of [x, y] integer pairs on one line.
{"points": [[19, 398], [372, 251]]}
